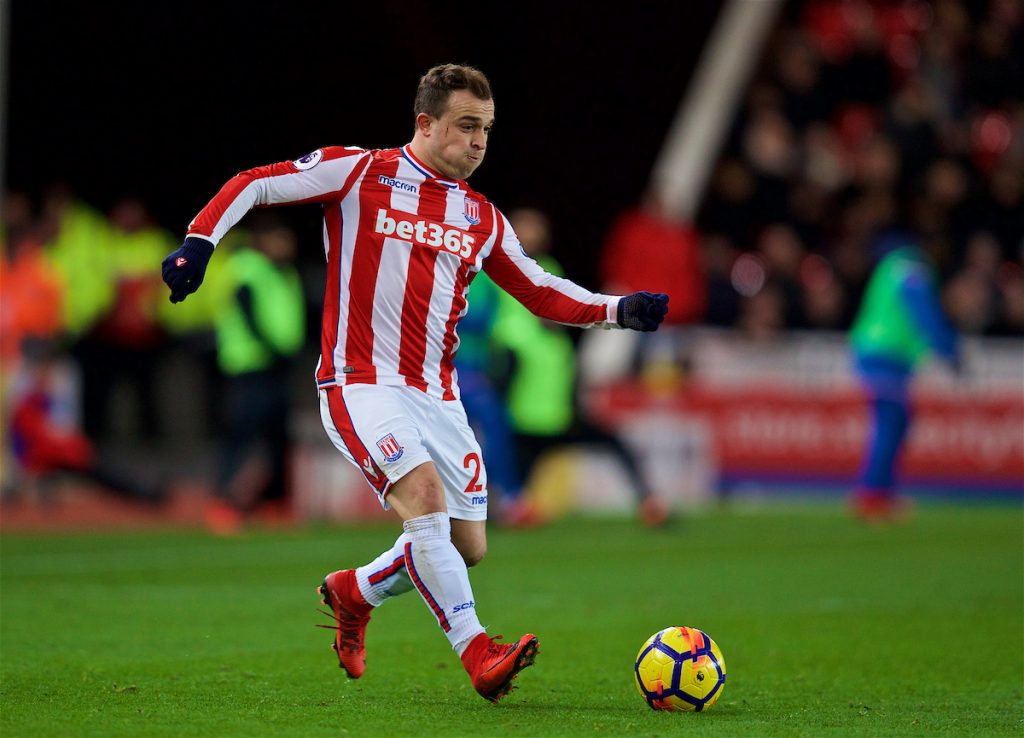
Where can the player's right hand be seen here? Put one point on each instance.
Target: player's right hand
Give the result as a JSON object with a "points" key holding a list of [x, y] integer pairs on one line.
{"points": [[183, 269]]}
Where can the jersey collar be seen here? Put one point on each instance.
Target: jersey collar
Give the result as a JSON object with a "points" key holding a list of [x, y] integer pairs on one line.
{"points": [[425, 170]]}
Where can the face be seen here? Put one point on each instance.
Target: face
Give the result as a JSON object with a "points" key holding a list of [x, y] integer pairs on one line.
{"points": [[279, 245], [454, 144]]}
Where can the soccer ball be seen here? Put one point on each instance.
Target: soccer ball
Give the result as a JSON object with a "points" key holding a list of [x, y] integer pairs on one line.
{"points": [[680, 669]]}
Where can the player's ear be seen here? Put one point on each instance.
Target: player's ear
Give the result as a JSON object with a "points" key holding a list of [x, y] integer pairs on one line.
{"points": [[424, 124]]}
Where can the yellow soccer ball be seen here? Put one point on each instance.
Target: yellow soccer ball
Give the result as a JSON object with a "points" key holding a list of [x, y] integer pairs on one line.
{"points": [[680, 669]]}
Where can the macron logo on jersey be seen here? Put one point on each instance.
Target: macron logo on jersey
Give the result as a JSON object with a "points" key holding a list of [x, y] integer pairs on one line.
{"points": [[396, 184], [424, 232]]}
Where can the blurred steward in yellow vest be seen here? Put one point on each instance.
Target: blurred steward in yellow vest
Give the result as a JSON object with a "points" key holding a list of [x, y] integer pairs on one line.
{"points": [[259, 331]]}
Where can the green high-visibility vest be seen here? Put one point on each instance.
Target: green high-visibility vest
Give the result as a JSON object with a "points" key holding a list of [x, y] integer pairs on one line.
{"points": [[884, 325], [476, 327], [278, 326], [541, 391]]}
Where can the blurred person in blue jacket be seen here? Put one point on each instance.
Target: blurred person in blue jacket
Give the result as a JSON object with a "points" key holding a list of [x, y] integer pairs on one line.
{"points": [[479, 363], [899, 323]]}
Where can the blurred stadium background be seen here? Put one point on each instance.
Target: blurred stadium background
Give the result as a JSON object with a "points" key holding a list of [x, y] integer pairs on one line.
{"points": [[741, 156]]}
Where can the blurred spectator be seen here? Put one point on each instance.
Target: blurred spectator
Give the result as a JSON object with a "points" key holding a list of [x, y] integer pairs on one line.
{"points": [[877, 164], [46, 439], [782, 253], [30, 286], [763, 314], [769, 148], [825, 166], [257, 336], [912, 124], [1011, 287], [864, 75], [1003, 211], [801, 79], [542, 386], [123, 346], [972, 295], [719, 254], [647, 250], [993, 66], [825, 301], [730, 208], [852, 262]]}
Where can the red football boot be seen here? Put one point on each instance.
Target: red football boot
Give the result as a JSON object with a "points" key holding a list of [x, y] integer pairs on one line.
{"points": [[879, 506], [654, 512], [492, 666], [351, 613]]}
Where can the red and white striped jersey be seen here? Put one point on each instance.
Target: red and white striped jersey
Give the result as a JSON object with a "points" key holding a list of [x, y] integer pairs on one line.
{"points": [[403, 245]]}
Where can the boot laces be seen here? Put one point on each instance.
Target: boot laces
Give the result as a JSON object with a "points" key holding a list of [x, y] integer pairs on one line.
{"points": [[349, 628], [497, 649]]}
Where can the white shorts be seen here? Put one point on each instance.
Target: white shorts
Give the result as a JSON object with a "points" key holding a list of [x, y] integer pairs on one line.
{"points": [[387, 431]]}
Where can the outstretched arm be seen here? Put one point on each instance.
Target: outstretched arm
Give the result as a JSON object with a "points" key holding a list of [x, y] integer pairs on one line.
{"points": [[561, 300], [322, 176]]}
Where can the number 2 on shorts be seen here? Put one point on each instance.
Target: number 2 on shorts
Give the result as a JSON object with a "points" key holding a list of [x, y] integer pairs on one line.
{"points": [[474, 485]]}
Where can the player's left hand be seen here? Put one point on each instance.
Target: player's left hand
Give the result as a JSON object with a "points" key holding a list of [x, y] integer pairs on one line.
{"points": [[184, 269], [643, 311]]}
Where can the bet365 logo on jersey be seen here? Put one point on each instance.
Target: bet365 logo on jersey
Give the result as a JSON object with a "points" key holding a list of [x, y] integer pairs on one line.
{"points": [[408, 227]]}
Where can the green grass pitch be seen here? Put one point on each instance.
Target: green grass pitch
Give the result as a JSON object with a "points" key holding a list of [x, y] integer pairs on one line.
{"points": [[829, 628]]}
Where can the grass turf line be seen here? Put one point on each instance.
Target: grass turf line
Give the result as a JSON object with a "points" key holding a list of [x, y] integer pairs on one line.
{"points": [[828, 627]]}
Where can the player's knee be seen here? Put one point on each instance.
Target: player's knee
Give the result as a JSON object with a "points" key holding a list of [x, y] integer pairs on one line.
{"points": [[419, 493]]}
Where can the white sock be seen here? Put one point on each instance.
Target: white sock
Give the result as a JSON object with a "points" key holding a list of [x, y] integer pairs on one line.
{"points": [[439, 573], [461, 646], [385, 576]]}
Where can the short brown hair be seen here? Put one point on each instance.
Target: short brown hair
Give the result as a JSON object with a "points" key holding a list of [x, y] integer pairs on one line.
{"points": [[440, 81]]}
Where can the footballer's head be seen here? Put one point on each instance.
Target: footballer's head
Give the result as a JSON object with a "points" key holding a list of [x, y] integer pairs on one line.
{"points": [[454, 115]]}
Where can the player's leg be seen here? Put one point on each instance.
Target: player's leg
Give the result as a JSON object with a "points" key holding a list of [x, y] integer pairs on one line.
{"points": [[352, 594], [365, 424], [491, 665], [470, 538], [398, 466], [435, 566]]}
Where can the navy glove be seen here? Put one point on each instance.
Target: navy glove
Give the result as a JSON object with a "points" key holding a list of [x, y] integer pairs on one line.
{"points": [[183, 270], [643, 311]]}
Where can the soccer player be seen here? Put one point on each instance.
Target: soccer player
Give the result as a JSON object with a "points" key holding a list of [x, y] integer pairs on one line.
{"points": [[404, 236]]}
